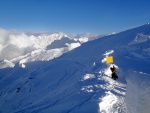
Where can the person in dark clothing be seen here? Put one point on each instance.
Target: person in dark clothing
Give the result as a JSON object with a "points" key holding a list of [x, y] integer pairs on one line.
{"points": [[114, 75]]}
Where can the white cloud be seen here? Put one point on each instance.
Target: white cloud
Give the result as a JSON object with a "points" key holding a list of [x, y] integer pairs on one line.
{"points": [[14, 44]]}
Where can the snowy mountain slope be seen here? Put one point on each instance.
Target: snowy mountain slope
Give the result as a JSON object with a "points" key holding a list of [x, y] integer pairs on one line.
{"points": [[23, 47], [139, 85], [79, 80], [29, 46], [19, 43]]}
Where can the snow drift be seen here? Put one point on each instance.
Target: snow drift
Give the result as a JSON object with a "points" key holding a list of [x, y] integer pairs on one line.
{"points": [[137, 94]]}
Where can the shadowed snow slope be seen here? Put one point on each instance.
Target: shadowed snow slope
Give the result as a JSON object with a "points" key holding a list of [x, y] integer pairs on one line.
{"points": [[80, 81]]}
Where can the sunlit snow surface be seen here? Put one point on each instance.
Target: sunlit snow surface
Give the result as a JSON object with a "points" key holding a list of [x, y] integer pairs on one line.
{"points": [[79, 80], [113, 91]]}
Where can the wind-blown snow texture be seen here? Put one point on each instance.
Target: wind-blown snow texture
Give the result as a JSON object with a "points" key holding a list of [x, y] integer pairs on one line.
{"points": [[80, 81]]}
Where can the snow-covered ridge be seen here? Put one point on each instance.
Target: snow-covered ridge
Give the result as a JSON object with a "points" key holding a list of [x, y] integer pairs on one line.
{"points": [[81, 79], [84, 37], [19, 43], [16, 46]]}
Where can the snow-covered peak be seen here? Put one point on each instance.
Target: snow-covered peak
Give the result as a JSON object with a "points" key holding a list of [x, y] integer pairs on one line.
{"points": [[43, 40], [20, 43]]}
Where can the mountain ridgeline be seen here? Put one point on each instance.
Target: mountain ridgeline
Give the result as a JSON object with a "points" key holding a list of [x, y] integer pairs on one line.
{"points": [[79, 81]]}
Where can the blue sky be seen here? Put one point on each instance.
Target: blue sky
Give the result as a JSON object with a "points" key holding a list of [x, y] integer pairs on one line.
{"points": [[74, 16]]}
